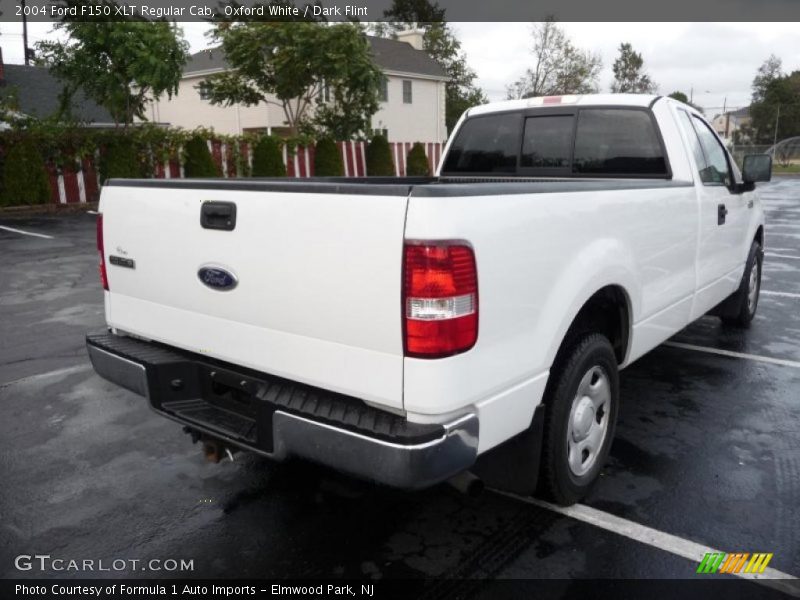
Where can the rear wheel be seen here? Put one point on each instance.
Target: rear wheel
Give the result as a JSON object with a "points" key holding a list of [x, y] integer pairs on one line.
{"points": [[580, 418], [740, 309]]}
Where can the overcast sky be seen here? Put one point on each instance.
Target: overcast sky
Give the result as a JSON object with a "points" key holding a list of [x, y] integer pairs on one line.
{"points": [[717, 60]]}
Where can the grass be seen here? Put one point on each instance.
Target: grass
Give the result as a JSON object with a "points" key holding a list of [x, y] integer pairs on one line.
{"points": [[791, 169]]}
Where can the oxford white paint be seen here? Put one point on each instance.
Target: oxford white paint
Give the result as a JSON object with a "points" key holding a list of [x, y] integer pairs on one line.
{"points": [[319, 298]]}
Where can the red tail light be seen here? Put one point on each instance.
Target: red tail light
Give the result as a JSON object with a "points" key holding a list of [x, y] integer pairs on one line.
{"points": [[440, 299], [100, 249]]}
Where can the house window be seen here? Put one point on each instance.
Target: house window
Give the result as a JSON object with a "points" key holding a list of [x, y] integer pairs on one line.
{"points": [[407, 91], [204, 94], [384, 92], [326, 92]]}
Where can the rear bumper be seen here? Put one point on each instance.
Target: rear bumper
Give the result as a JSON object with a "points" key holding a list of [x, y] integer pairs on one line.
{"points": [[279, 418]]}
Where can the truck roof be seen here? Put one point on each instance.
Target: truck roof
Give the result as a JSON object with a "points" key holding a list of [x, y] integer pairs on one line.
{"points": [[565, 100]]}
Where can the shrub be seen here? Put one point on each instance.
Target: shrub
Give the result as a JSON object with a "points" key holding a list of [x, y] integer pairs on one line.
{"points": [[25, 178], [198, 162], [119, 159], [268, 158], [417, 161], [328, 159], [379, 157]]}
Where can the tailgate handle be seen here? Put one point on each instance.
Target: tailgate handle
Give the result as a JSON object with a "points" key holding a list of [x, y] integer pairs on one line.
{"points": [[218, 215]]}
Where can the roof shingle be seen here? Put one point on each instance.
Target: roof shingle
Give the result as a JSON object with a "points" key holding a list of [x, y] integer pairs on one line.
{"points": [[37, 93], [389, 55]]}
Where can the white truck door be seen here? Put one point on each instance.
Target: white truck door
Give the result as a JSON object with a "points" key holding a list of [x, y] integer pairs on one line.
{"points": [[717, 254]]}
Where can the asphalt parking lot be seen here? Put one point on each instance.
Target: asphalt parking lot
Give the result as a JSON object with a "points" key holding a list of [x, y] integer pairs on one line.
{"points": [[707, 453]]}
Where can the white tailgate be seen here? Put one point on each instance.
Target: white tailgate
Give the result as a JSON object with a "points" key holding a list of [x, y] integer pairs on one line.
{"points": [[318, 298]]}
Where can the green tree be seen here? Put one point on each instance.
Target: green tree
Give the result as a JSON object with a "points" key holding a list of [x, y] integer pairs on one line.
{"points": [[779, 107], [327, 159], [306, 66], [629, 77], [379, 157], [440, 41], [769, 71], [681, 97], [121, 65], [417, 162], [268, 158], [558, 66], [25, 179], [199, 162]]}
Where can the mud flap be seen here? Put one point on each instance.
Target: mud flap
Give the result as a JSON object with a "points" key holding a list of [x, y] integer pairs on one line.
{"points": [[513, 466]]}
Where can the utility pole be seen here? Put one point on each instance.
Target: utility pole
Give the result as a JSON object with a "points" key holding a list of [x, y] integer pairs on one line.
{"points": [[25, 33], [775, 137]]}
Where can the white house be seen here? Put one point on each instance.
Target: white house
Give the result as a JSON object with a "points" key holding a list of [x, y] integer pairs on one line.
{"points": [[412, 109], [727, 123]]}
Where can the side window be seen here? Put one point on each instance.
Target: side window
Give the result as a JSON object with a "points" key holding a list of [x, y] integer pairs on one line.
{"points": [[716, 171], [485, 145], [384, 90], [617, 142], [694, 142], [407, 95], [547, 142]]}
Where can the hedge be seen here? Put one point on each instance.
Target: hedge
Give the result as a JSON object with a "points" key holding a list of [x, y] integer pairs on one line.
{"points": [[25, 178], [417, 162], [198, 161], [379, 157], [328, 159], [120, 159], [268, 158]]}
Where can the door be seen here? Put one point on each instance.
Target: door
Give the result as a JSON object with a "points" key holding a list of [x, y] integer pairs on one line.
{"points": [[720, 215]]}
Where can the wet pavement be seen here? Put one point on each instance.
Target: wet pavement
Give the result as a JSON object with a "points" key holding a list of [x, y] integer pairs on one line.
{"points": [[707, 449]]}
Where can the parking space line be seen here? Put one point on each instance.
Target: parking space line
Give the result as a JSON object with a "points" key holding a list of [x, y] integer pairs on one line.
{"points": [[39, 235], [772, 578], [782, 256], [782, 294], [767, 359], [64, 371]]}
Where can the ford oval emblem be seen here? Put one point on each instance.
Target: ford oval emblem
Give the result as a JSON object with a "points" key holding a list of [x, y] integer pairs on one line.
{"points": [[217, 278]]}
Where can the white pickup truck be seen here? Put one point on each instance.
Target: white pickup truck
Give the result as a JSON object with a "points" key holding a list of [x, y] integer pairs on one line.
{"points": [[408, 330]]}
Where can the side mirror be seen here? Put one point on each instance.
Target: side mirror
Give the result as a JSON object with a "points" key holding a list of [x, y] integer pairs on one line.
{"points": [[757, 167]]}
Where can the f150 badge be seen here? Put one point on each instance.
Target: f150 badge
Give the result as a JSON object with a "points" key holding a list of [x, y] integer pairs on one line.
{"points": [[217, 278]]}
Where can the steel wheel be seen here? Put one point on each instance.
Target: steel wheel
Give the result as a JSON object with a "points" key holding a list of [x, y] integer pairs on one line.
{"points": [[588, 421], [752, 288]]}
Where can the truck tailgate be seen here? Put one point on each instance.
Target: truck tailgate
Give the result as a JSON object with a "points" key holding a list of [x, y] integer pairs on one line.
{"points": [[318, 293]]}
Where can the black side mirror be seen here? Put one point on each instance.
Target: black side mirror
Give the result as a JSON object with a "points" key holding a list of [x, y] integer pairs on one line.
{"points": [[757, 167]]}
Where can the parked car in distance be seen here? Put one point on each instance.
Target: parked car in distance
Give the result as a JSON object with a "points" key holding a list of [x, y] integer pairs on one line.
{"points": [[406, 330]]}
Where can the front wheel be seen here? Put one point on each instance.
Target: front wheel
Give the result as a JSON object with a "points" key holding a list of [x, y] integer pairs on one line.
{"points": [[580, 418], [740, 309]]}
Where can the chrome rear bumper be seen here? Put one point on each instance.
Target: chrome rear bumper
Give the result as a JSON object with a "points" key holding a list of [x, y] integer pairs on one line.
{"points": [[423, 456]]}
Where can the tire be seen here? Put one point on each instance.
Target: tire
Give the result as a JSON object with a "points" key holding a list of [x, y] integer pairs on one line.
{"points": [[572, 418], [740, 308]]}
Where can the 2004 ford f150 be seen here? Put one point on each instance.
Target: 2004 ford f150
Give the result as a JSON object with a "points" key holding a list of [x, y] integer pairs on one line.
{"points": [[407, 330]]}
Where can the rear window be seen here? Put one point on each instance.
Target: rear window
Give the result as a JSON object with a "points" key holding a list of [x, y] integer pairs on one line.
{"points": [[617, 142], [547, 142], [486, 145]]}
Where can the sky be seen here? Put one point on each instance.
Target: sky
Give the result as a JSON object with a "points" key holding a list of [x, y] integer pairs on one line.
{"points": [[715, 62]]}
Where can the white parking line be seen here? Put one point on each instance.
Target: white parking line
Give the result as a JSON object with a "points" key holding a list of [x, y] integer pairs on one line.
{"points": [[772, 578], [782, 256], [730, 353], [92, 212], [64, 371], [39, 235], [782, 294]]}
